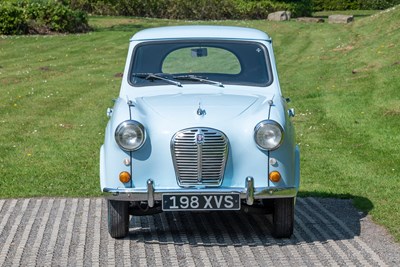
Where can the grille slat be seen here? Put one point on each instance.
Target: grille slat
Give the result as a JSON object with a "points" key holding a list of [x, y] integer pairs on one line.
{"points": [[199, 160]]}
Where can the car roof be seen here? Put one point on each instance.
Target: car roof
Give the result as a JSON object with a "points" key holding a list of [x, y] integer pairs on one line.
{"points": [[200, 32]]}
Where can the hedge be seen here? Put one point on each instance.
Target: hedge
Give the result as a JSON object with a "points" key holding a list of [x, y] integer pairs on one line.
{"points": [[320, 5], [194, 10], [40, 17]]}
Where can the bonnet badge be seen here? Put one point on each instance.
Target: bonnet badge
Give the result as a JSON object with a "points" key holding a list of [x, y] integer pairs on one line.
{"points": [[200, 111]]}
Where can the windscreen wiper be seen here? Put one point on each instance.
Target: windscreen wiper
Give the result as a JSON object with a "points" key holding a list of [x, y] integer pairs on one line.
{"points": [[197, 78], [156, 76]]}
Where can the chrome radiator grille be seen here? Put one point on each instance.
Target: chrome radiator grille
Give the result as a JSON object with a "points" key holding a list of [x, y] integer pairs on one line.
{"points": [[199, 156]]}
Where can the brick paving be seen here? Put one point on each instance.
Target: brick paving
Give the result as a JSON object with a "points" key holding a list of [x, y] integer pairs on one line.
{"points": [[73, 232]]}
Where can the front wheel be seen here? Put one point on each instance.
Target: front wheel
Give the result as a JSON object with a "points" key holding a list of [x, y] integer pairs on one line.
{"points": [[283, 217], [118, 218]]}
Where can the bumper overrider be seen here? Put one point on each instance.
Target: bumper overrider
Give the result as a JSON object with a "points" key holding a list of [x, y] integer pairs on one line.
{"points": [[247, 193]]}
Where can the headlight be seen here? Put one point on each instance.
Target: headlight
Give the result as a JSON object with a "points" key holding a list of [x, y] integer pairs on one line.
{"points": [[130, 135], [268, 135]]}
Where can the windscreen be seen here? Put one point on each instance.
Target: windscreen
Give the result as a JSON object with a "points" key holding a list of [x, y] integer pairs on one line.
{"points": [[242, 63]]}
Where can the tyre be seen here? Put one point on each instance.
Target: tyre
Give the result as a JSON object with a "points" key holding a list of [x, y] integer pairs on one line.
{"points": [[118, 218], [283, 217]]}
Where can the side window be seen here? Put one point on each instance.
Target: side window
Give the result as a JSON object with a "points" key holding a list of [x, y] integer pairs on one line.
{"points": [[201, 60]]}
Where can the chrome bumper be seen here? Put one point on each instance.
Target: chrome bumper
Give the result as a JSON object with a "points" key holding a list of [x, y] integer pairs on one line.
{"points": [[247, 193]]}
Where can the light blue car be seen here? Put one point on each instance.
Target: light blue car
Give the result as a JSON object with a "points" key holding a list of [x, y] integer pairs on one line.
{"points": [[200, 124]]}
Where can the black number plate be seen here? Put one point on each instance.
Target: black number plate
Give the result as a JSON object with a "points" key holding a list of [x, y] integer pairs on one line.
{"points": [[215, 201]]}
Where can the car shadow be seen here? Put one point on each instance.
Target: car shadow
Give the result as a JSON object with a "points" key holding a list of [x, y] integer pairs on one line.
{"points": [[316, 219]]}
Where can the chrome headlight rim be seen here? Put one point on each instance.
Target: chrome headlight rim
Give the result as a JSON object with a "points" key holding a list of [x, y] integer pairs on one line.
{"points": [[272, 123], [123, 126]]}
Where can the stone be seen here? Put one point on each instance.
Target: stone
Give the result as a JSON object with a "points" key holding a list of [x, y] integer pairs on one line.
{"points": [[310, 19], [340, 18], [279, 16]]}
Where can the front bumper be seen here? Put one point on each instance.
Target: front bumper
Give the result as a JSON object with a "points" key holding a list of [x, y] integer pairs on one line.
{"points": [[247, 193]]}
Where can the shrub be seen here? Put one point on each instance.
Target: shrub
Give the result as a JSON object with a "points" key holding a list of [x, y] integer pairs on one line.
{"points": [[24, 16], [256, 9], [12, 19]]}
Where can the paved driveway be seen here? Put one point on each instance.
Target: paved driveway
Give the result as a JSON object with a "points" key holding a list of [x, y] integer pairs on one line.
{"points": [[73, 232]]}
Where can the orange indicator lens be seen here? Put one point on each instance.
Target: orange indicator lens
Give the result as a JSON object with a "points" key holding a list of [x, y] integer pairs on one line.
{"points": [[274, 176], [124, 177]]}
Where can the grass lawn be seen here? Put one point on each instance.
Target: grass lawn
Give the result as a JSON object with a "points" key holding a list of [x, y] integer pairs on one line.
{"points": [[343, 80]]}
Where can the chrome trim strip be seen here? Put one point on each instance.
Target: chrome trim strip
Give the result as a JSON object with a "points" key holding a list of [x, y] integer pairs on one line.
{"points": [[199, 162], [132, 194]]}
